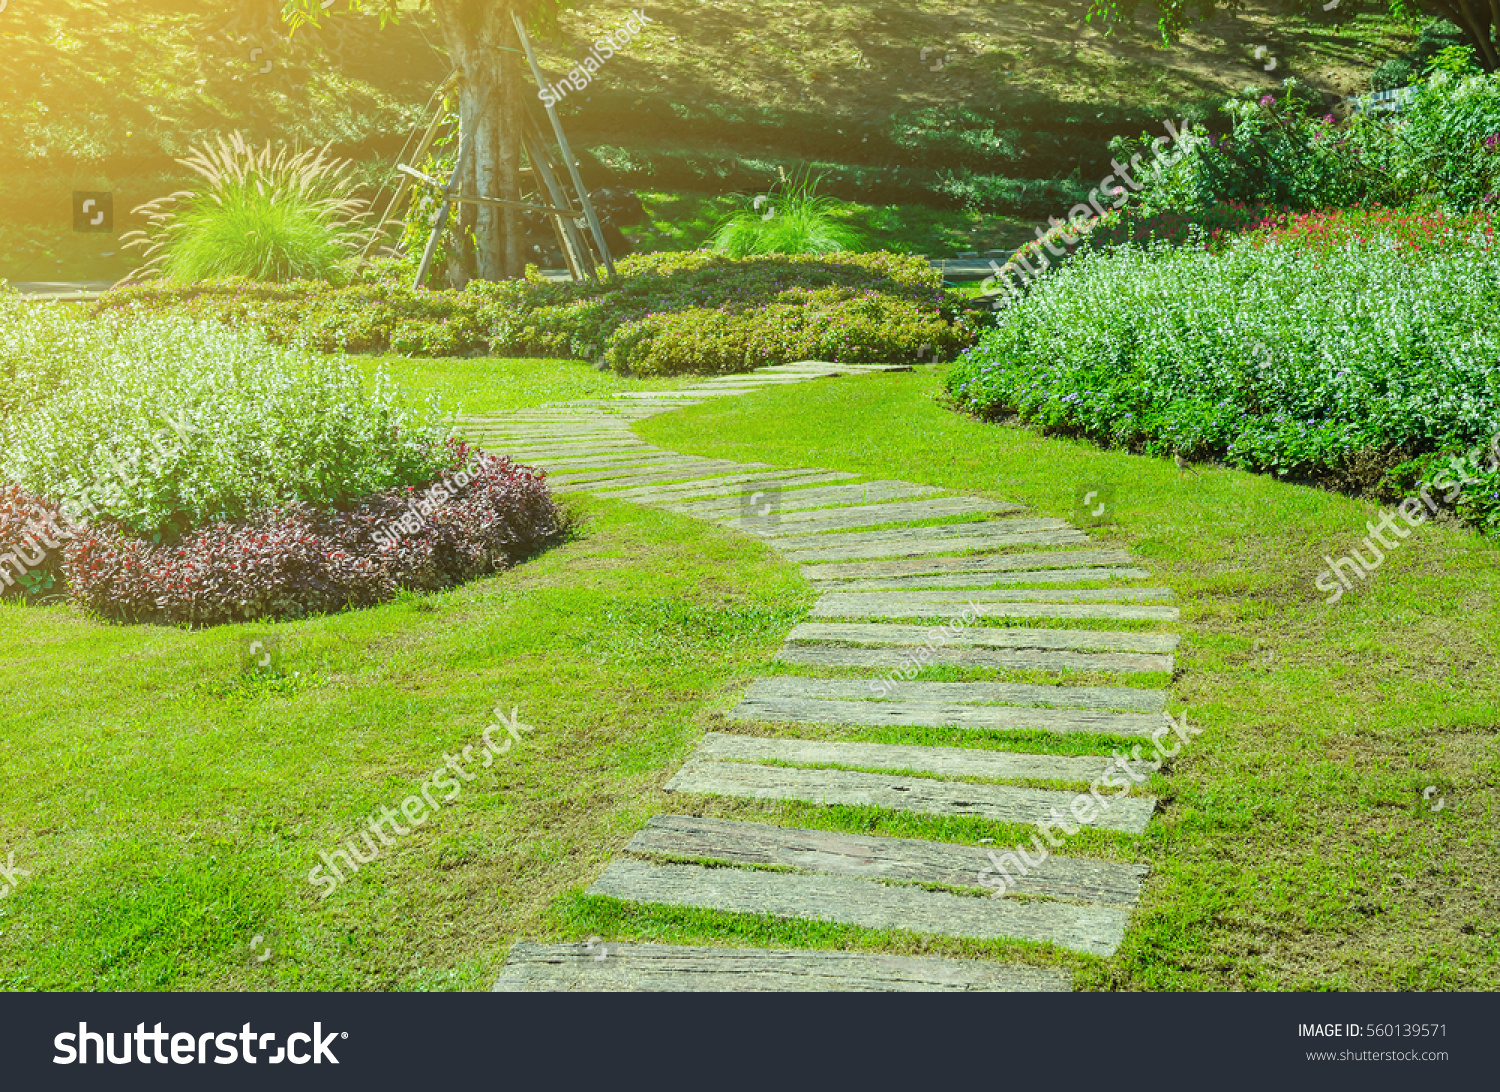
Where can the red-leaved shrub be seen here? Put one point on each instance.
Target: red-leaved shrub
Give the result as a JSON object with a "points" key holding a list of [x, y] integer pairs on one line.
{"points": [[293, 560], [30, 557]]}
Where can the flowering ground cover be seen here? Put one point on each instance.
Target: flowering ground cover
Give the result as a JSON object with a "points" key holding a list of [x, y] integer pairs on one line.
{"points": [[1355, 349]]}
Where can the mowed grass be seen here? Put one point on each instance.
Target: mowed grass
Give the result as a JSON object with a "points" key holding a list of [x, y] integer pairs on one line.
{"points": [[499, 384], [167, 805], [1334, 827]]}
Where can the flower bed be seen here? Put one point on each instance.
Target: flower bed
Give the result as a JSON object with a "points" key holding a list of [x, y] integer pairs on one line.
{"points": [[170, 470], [483, 515], [1352, 362]]}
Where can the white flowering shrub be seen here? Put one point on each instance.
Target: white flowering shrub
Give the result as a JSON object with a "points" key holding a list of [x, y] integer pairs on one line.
{"points": [[170, 423], [1340, 362]]}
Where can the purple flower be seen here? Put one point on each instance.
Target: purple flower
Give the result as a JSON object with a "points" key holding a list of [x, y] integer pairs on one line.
{"points": [[1328, 119], [1268, 100], [1491, 141]]}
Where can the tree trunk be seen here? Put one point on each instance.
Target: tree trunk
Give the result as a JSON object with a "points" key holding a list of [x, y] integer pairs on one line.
{"points": [[478, 34], [1476, 26]]}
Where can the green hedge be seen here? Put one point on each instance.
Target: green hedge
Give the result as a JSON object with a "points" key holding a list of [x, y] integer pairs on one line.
{"points": [[1360, 361], [664, 314]]}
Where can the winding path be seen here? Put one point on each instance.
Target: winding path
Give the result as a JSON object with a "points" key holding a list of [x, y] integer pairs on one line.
{"points": [[892, 593]]}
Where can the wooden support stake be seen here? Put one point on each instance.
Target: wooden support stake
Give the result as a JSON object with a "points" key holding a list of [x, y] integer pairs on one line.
{"points": [[476, 199], [580, 261], [567, 153], [440, 221], [402, 184]]}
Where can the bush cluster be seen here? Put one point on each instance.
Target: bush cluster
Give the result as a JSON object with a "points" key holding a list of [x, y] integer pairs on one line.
{"points": [[663, 314], [1352, 360], [27, 543], [166, 423], [292, 560], [172, 470], [1440, 151]]}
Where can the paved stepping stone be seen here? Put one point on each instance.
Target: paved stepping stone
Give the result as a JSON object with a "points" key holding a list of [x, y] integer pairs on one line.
{"points": [[956, 538], [564, 449], [665, 968], [907, 860], [886, 659], [922, 714], [793, 499], [997, 693], [884, 570], [823, 367], [985, 580], [625, 471], [595, 482], [582, 462], [896, 605], [780, 524], [724, 485], [736, 382], [891, 633], [612, 456], [904, 792], [852, 590], [947, 762], [1094, 929]]}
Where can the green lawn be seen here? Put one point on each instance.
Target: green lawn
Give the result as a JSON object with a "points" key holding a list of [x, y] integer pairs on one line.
{"points": [[499, 384], [1294, 848], [168, 806]]}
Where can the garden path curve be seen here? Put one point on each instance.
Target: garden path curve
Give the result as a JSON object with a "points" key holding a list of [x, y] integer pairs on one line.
{"points": [[895, 590]]}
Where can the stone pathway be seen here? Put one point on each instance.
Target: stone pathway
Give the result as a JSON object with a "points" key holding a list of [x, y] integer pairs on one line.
{"points": [[887, 573]]}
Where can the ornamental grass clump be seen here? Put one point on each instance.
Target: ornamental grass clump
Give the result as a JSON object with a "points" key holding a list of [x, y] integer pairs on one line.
{"points": [[791, 219], [256, 214]]}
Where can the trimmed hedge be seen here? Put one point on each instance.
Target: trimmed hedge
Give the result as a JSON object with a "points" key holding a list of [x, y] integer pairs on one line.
{"points": [[291, 560], [665, 313], [1361, 363]]}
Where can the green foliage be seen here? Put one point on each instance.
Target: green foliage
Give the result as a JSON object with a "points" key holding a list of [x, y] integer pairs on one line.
{"points": [[1332, 359], [754, 311], [958, 137], [795, 220], [1396, 72], [1281, 153], [253, 214], [1455, 60], [175, 423]]}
